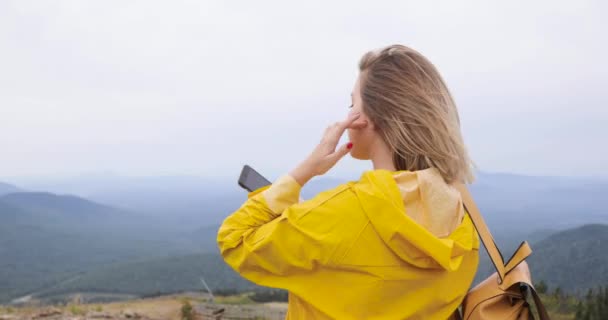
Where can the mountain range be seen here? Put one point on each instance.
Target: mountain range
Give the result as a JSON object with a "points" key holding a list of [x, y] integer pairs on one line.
{"points": [[84, 235]]}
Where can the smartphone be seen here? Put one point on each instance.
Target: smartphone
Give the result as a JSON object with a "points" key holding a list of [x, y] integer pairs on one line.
{"points": [[251, 180]]}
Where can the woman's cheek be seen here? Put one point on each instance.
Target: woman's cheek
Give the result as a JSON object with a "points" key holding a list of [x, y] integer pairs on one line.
{"points": [[357, 154], [354, 137]]}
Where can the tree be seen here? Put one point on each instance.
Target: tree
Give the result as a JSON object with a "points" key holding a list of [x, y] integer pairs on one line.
{"points": [[541, 287], [594, 305], [187, 312], [580, 311], [558, 292]]}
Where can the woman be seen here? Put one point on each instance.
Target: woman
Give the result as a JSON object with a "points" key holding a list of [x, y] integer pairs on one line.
{"points": [[394, 245]]}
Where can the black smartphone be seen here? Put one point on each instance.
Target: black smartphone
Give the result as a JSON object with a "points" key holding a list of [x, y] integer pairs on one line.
{"points": [[251, 180]]}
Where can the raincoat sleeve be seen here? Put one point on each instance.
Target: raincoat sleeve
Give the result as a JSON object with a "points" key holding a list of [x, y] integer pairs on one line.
{"points": [[267, 241]]}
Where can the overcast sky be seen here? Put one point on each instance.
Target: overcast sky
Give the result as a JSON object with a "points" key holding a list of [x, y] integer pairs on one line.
{"points": [[202, 87]]}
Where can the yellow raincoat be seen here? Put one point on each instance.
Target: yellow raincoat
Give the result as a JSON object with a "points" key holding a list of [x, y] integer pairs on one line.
{"points": [[393, 245]]}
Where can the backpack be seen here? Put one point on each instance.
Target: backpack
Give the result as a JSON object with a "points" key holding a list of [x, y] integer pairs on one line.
{"points": [[503, 295]]}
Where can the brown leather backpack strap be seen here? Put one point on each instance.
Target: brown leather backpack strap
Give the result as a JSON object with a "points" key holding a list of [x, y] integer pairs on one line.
{"points": [[520, 255], [482, 230], [540, 308]]}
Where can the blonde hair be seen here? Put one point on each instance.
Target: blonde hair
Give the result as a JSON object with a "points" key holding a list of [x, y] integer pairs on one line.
{"points": [[412, 109]]}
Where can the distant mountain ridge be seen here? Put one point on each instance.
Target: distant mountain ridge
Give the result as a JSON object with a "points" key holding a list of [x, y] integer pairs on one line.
{"points": [[47, 201], [6, 188], [574, 259], [46, 238], [504, 199], [62, 212], [164, 275]]}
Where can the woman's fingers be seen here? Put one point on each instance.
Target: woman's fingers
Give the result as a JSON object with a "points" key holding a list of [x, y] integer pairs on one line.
{"points": [[349, 120], [358, 124], [325, 155], [335, 131], [340, 153]]}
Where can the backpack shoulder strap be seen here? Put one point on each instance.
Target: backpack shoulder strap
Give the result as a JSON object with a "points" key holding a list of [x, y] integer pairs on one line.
{"points": [[496, 256], [520, 254], [483, 231]]}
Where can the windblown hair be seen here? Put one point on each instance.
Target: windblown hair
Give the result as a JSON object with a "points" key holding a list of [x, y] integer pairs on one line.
{"points": [[412, 109]]}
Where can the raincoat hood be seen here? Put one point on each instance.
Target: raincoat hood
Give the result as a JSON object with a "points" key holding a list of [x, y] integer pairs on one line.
{"points": [[419, 217]]}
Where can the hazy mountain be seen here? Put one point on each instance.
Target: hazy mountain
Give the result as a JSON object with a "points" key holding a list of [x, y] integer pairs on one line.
{"points": [[8, 188], [510, 203], [34, 257], [43, 208], [517, 208], [191, 200], [194, 201], [165, 275], [574, 259], [52, 203], [10, 215], [47, 238], [204, 237]]}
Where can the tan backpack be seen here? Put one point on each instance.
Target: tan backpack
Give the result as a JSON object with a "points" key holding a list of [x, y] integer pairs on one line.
{"points": [[503, 295]]}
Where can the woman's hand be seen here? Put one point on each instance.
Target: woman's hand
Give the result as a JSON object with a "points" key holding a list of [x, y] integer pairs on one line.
{"points": [[325, 155]]}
